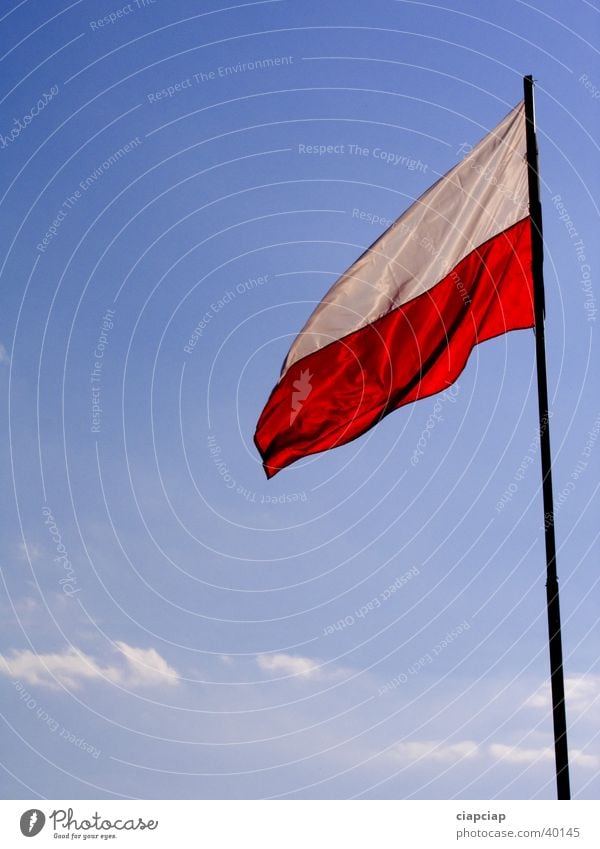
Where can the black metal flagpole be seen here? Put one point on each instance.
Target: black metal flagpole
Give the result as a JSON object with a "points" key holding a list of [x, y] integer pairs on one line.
{"points": [[561, 752]]}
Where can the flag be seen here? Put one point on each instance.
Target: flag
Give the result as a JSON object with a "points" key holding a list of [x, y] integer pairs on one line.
{"points": [[400, 323]]}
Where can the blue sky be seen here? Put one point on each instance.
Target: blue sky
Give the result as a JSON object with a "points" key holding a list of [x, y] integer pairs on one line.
{"points": [[173, 625]]}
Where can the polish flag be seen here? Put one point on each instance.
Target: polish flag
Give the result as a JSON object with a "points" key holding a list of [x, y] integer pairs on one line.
{"points": [[400, 323]]}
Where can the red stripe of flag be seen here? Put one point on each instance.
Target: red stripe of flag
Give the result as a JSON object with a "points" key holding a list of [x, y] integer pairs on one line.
{"points": [[340, 391]]}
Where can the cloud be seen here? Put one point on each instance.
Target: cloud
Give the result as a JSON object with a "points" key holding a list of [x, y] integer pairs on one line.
{"points": [[145, 667], [29, 551], [576, 756], [289, 664], [302, 667], [27, 606], [582, 692], [4, 358], [517, 755], [133, 668], [440, 752], [436, 750]]}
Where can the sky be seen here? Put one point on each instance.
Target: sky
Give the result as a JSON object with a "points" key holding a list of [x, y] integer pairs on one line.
{"points": [[173, 625]]}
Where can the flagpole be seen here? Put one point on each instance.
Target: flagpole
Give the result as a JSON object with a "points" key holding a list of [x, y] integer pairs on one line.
{"points": [[561, 752]]}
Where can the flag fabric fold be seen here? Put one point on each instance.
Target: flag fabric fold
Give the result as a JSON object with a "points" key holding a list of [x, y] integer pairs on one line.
{"points": [[400, 323]]}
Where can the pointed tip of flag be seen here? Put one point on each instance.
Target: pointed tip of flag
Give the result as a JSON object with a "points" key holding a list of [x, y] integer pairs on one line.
{"points": [[270, 471]]}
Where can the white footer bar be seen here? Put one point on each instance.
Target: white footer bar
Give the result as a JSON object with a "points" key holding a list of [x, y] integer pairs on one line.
{"points": [[301, 824]]}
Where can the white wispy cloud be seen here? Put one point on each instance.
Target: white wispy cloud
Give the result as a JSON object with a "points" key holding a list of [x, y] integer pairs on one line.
{"points": [[440, 752], [132, 667], [436, 750], [146, 666], [4, 358], [298, 666], [289, 664], [27, 606], [578, 757], [582, 693], [518, 755], [29, 552]]}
